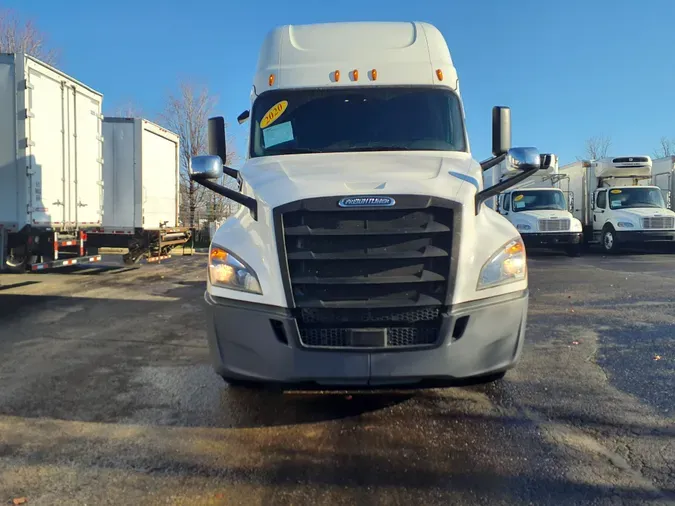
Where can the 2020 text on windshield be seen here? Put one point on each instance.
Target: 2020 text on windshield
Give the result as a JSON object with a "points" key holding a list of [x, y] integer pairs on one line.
{"points": [[356, 119]]}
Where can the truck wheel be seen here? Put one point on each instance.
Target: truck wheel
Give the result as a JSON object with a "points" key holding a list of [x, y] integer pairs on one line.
{"points": [[609, 244], [574, 250], [17, 260]]}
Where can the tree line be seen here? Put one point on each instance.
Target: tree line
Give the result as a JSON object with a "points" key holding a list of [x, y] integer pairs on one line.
{"points": [[186, 113]]}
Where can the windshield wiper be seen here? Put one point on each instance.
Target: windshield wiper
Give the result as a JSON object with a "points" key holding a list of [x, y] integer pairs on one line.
{"points": [[292, 151], [376, 148]]}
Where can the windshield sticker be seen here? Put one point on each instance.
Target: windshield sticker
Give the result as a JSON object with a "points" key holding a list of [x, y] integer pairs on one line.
{"points": [[615, 191], [518, 205], [518, 198], [278, 134], [273, 114]]}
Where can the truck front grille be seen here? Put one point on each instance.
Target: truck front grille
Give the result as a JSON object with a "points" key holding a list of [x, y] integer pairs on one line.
{"points": [[383, 271], [661, 222], [554, 225]]}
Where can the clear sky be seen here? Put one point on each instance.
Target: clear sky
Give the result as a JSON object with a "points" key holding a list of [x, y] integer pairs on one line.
{"points": [[568, 70]]}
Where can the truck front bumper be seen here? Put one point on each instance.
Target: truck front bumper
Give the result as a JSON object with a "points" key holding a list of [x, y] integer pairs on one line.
{"points": [[552, 240], [642, 236], [261, 343]]}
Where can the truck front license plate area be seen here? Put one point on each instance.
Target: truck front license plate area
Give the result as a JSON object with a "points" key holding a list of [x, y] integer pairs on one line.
{"points": [[368, 338]]}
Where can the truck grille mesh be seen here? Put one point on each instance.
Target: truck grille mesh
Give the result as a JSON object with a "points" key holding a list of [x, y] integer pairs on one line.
{"points": [[554, 225], [382, 269], [658, 222]]}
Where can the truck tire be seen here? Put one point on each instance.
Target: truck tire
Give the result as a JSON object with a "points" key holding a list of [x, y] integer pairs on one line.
{"points": [[608, 240]]}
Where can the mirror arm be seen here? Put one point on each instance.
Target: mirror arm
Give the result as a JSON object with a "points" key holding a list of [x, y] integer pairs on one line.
{"points": [[244, 200], [491, 162], [500, 187]]}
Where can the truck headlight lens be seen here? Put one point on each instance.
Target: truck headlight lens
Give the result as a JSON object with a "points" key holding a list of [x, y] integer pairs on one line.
{"points": [[575, 226], [227, 271], [522, 226], [507, 265], [625, 224]]}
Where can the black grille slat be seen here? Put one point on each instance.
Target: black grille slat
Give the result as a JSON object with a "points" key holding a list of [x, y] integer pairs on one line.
{"points": [[370, 254], [378, 268]]}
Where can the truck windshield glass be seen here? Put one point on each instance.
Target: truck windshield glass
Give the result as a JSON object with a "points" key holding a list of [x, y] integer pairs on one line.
{"points": [[356, 119], [622, 198], [539, 200]]}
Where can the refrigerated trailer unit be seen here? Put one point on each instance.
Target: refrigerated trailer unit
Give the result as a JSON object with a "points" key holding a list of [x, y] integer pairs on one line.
{"points": [[51, 189], [616, 202], [141, 180]]}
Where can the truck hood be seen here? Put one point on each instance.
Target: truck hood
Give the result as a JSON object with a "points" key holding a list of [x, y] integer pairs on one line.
{"points": [[642, 212], [281, 179], [542, 215]]}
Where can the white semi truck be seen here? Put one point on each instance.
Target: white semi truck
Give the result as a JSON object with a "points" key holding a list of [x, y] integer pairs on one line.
{"points": [[539, 210], [363, 254], [662, 176], [615, 205]]}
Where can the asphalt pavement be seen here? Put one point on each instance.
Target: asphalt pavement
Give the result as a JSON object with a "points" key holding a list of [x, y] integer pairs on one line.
{"points": [[107, 397]]}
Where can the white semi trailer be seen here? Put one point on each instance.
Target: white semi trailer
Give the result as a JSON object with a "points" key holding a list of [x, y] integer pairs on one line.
{"points": [[662, 176], [141, 179], [539, 209], [615, 205], [51, 183], [363, 253]]}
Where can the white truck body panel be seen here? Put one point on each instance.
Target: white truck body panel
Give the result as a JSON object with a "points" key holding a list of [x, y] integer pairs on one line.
{"points": [[140, 171], [50, 147], [662, 176]]}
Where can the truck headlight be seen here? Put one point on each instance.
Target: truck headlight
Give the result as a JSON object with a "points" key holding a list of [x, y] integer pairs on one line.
{"points": [[523, 226], [575, 226], [625, 224], [507, 265], [227, 271]]}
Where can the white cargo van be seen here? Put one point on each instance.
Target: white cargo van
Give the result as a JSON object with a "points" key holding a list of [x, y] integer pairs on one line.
{"points": [[363, 254]]}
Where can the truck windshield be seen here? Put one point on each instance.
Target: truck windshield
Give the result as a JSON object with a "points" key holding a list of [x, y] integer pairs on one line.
{"points": [[539, 200], [356, 119], [622, 198]]}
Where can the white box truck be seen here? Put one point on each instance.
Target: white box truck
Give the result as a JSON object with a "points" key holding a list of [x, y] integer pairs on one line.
{"points": [[539, 209], [141, 179], [51, 185], [363, 254], [616, 204], [662, 176]]}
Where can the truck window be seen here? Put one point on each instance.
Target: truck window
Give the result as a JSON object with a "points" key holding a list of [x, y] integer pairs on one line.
{"points": [[356, 119], [507, 202], [601, 200], [622, 198], [538, 200]]}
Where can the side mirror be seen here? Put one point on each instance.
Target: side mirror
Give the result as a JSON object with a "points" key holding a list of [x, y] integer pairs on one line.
{"points": [[523, 161], [243, 117], [526, 160], [501, 130], [205, 167], [217, 142]]}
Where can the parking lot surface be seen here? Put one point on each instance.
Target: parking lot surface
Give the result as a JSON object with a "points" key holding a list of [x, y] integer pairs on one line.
{"points": [[107, 397]]}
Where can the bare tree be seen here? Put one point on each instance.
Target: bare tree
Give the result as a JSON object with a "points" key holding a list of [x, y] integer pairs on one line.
{"points": [[666, 148], [187, 114], [18, 37], [597, 147]]}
